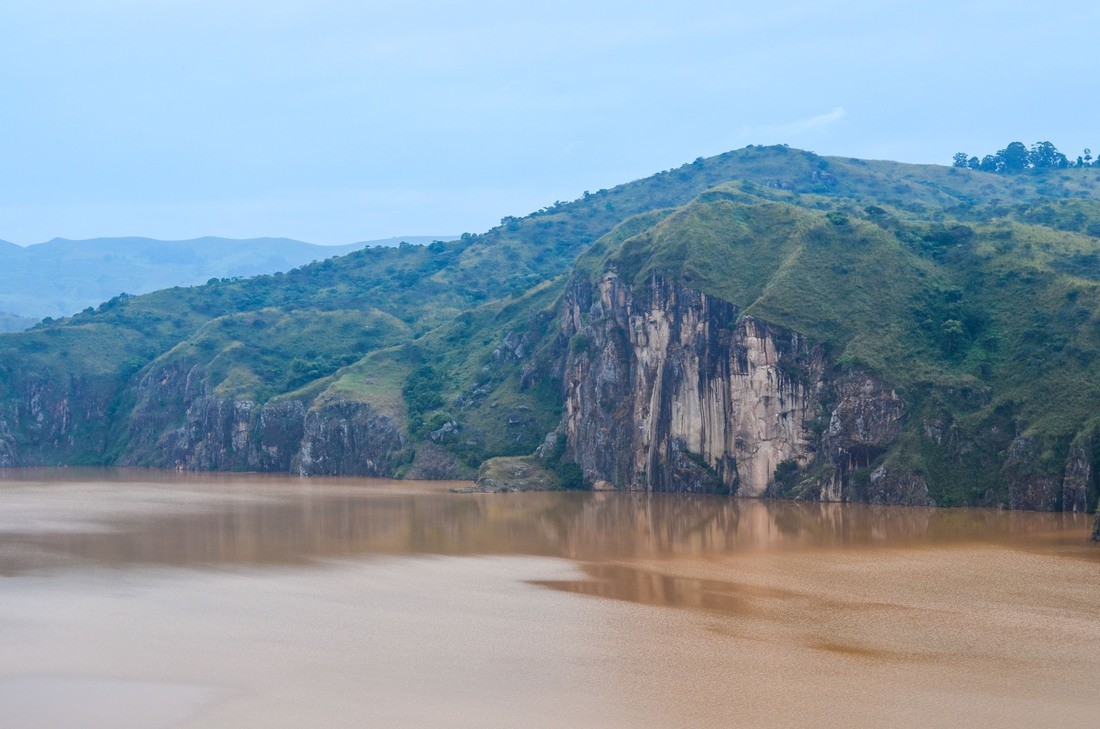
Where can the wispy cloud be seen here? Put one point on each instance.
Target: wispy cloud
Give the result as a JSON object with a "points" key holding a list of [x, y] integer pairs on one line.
{"points": [[798, 127], [814, 123]]}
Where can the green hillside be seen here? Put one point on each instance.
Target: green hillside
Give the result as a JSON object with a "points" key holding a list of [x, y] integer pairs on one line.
{"points": [[992, 326], [973, 293], [61, 277]]}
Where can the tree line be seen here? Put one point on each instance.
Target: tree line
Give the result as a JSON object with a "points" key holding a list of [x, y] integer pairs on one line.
{"points": [[1017, 158]]}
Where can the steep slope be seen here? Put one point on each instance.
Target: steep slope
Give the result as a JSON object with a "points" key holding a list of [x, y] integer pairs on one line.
{"points": [[763, 322], [757, 346]]}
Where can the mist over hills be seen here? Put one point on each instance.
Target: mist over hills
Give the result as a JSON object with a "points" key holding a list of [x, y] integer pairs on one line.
{"points": [[61, 277], [767, 321]]}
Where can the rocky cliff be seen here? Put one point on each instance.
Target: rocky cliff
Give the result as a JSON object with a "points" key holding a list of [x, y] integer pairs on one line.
{"points": [[670, 389], [50, 419], [664, 388], [894, 346], [7, 447], [178, 423]]}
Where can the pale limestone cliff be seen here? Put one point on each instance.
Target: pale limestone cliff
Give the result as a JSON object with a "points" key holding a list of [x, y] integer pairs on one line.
{"points": [[669, 389]]}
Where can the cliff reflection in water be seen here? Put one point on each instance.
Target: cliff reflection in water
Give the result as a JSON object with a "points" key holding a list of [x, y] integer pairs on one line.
{"points": [[227, 520]]}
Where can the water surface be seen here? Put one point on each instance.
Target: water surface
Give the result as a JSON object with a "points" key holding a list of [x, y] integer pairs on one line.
{"points": [[260, 601]]}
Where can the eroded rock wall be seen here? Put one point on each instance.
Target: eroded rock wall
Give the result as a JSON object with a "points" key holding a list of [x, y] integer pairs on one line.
{"points": [[669, 389], [7, 447], [1078, 477], [865, 419], [178, 423], [48, 419]]}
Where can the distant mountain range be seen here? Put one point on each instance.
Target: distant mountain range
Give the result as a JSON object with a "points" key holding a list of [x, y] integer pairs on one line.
{"points": [[61, 277]]}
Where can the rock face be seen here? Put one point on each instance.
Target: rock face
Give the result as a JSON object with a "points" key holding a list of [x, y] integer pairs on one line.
{"points": [[7, 447], [1078, 476], [866, 418], [177, 423], [49, 420], [668, 389], [517, 473], [1028, 488], [664, 388], [895, 487]]}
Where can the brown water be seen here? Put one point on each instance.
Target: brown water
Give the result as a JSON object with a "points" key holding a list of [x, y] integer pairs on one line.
{"points": [[145, 599]]}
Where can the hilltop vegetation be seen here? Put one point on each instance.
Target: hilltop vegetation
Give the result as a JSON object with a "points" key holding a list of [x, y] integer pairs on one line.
{"points": [[975, 294], [991, 329], [1016, 158], [61, 277]]}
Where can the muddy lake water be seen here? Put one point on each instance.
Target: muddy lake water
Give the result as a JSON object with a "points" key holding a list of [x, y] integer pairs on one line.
{"points": [[144, 599]]}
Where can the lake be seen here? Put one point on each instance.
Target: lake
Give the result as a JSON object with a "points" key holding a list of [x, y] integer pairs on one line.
{"points": [[132, 598]]}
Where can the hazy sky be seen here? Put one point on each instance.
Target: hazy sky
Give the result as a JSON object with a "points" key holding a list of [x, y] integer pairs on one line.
{"points": [[334, 121]]}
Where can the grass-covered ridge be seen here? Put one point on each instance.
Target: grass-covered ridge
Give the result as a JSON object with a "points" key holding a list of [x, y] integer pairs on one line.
{"points": [[973, 293], [988, 323]]}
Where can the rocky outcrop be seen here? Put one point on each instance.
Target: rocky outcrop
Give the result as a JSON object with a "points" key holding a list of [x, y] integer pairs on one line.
{"points": [[434, 463], [50, 420], [864, 422], [341, 437], [522, 473], [1028, 487], [888, 486], [7, 447], [669, 389], [177, 423], [1078, 476]]}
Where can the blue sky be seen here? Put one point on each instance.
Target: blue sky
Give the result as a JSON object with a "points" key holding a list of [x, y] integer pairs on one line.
{"points": [[334, 121]]}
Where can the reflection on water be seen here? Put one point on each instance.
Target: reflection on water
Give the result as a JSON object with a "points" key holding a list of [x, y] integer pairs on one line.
{"points": [[786, 614], [649, 587], [119, 517]]}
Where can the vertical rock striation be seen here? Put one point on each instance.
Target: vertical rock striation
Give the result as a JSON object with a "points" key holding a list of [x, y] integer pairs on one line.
{"points": [[669, 389], [1078, 476], [50, 419], [7, 447], [178, 423], [866, 419]]}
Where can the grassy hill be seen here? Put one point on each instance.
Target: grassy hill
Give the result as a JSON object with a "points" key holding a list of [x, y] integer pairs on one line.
{"points": [[975, 294], [992, 328]]}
